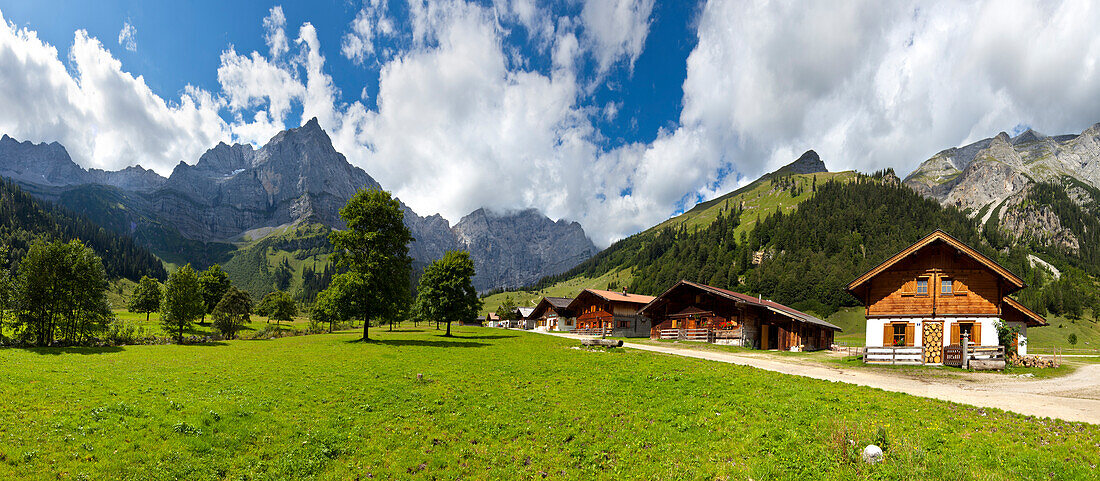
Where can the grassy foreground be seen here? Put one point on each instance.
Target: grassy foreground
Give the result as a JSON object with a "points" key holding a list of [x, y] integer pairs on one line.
{"points": [[492, 404]]}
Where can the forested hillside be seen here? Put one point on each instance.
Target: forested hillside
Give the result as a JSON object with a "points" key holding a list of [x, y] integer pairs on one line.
{"points": [[807, 257], [23, 218]]}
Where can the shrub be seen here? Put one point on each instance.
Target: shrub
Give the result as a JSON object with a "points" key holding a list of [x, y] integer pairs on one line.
{"points": [[121, 331]]}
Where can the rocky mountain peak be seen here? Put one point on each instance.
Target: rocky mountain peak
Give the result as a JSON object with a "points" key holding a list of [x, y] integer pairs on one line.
{"points": [[1027, 136], [808, 163]]}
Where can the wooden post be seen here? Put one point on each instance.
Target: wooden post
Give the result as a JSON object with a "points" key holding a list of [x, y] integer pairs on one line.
{"points": [[966, 356]]}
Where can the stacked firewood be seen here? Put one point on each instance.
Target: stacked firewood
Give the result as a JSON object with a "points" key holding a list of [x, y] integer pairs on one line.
{"points": [[1031, 361]]}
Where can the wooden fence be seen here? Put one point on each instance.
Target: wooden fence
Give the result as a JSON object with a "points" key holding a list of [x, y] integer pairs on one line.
{"points": [[702, 335], [953, 355], [909, 355], [595, 331]]}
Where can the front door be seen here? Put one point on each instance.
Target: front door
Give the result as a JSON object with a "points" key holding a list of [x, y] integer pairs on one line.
{"points": [[932, 340]]}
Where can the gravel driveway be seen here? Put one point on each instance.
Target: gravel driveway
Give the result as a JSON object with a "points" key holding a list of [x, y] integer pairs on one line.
{"points": [[1075, 397]]}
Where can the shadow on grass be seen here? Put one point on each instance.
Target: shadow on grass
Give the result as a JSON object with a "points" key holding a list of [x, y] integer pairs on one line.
{"points": [[439, 342], [483, 337], [57, 351]]}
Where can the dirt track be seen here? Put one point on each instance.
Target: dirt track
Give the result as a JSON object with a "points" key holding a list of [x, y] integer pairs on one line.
{"points": [[1075, 397]]}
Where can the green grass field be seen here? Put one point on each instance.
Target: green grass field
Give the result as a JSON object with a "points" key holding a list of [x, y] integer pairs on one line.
{"points": [[492, 404]]}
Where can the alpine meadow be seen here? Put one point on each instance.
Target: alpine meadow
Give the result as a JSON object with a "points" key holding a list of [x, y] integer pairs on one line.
{"points": [[600, 239]]}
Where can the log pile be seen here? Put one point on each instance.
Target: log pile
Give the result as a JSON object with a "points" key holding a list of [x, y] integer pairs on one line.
{"points": [[1031, 361]]}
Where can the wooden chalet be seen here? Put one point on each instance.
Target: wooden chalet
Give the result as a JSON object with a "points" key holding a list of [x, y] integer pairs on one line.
{"points": [[692, 311], [553, 314], [610, 313], [922, 302]]}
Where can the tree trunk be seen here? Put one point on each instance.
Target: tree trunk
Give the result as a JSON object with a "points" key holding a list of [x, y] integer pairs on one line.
{"points": [[366, 329], [391, 326], [146, 317], [448, 334]]}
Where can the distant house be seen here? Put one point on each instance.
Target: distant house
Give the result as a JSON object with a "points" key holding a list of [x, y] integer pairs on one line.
{"points": [[525, 322], [553, 314], [609, 313], [490, 320], [937, 292], [692, 311]]}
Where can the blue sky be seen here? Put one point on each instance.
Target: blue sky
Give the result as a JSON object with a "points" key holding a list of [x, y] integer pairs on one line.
{"points": [[614, 113], [181, 46]]}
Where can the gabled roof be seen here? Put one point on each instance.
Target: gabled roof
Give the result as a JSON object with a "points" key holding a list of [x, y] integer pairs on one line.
{"points": [[750, 300], [940, 236], [1031, 319], [612, 296], [524, 312], [560, 305], [621, 296]]}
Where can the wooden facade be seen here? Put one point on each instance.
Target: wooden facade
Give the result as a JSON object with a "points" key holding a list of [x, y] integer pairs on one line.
{"points": [[936, 293], [610, 313], [553, 314], [741, 319]]}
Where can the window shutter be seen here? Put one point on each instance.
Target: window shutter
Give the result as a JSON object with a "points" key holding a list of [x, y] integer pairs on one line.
{"points": [[909, 288], [910, 339], [956, 338], [960, 285], [887, 335], [977, 334]]}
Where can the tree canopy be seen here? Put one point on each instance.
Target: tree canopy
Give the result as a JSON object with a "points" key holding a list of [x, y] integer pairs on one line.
{"points": [[146, 297], [183, 301], [446, 291], [232, 312], [60, 294], [374, 252], [278, 305], [213, 283]]}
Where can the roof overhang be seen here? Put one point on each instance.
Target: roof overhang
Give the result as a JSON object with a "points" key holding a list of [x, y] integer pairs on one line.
{"points": [[1011, 279], [1030, 317]]}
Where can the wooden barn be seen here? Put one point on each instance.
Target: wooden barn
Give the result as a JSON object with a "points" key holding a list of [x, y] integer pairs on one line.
{"points": [[553, 314], [922, 302], [692, 311], [610, 313]]}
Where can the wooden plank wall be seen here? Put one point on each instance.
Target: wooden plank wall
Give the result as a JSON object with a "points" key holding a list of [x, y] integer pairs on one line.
{"points": [[976, 288]]}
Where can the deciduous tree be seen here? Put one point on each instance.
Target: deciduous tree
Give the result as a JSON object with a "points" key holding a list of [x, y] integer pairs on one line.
{"points": [[278, 305], [183, 301], [61, 293], [374, 251], [213, 282], [446, 291], [232, 312], [146, 298]]}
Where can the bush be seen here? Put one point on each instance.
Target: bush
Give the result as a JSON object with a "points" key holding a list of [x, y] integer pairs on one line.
{"points": [[121, 331], [1072, 339]]}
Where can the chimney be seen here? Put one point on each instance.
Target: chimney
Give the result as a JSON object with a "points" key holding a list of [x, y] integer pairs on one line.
{"points": [[624, 291]]}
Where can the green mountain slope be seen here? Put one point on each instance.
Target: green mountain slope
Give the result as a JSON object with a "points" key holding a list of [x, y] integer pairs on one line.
{"points": [[24, 218], [613, 267], [804, 257]]}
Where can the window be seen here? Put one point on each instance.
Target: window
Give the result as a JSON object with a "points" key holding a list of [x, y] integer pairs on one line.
{"points": [[945, 286], [922, 287], [624, 324], [899, 334]]}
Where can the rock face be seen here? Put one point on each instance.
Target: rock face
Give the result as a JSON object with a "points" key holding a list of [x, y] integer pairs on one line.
{"points": [[992, 177], [236, 193], [517, 249], [297, 175]]}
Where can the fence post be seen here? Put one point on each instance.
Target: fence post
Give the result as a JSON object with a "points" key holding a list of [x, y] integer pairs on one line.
{"points": [[965, 354]]}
